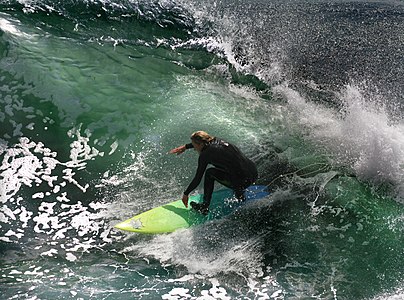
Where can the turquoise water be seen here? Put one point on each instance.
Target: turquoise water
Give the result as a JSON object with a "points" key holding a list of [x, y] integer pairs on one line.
{"points": [[93, 95]]}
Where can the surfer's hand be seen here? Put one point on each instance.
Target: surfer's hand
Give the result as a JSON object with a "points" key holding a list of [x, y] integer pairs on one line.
{"points": [[185, 200], [179, 150]]}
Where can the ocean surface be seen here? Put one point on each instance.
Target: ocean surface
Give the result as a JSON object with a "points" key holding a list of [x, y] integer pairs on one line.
{"points": [[94, 93]]}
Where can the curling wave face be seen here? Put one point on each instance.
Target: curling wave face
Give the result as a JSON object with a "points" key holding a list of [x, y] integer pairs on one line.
{"points": [[94, 93]]}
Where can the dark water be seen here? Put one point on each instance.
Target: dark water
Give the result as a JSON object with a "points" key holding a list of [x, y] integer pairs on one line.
{"points": [[94, 93]]}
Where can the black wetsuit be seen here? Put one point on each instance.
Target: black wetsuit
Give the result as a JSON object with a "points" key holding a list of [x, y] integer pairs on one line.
{"points": [[232, 169]]}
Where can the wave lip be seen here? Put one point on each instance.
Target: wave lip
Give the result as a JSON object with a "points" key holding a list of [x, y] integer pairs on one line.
{"points": [[360, 135]]}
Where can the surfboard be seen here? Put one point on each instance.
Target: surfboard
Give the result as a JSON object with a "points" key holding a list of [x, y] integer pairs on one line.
{"points": [[173, 216]]}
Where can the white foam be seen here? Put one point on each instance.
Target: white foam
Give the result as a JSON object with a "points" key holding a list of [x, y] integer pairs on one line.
{"points": [[13, 233], [63, 197], [362, 137], [7, 26], [181, 248], [60, 234], [35, 271], [21, 167], [51, 252], [39, 195], [5, 239], [3, 218], [69, 174], [25, 216], [30, 126], [56, 189], [132, 171], [177, 293], [47, 207], [8, 213], [114, 146], [80, 151], [216, 291], [182, 279], [30, 163], [71, 257], [45, 221], [396, 295]]}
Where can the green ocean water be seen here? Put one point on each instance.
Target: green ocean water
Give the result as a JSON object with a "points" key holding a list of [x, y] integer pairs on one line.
{"points": [[94, 94]]}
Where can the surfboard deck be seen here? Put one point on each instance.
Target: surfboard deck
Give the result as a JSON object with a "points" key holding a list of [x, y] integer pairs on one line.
{"points": [[173, 216]]}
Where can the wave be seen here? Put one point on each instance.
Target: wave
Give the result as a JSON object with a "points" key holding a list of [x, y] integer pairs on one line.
{"points": [[360, 138], [340, 78], [93, 100], [356, 132], [270, 41], [126, 20]]}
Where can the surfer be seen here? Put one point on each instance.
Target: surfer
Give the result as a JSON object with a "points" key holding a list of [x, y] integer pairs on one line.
{"points": [[231, 168]]}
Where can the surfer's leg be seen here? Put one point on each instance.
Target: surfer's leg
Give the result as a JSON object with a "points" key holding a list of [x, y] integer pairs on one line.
{"points": [[211, 175], [240, 187]]}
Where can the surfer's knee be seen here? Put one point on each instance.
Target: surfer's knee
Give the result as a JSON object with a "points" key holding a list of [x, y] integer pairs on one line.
{"points": [[213, 173]]}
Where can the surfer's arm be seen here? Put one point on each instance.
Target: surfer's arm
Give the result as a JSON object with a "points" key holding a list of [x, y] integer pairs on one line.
{"points": [[181, 149], [185, 200], [202, 164]]}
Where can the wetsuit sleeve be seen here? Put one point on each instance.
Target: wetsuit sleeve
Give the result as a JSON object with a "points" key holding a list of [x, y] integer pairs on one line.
{"points": [[189, 146], [202, 164]]}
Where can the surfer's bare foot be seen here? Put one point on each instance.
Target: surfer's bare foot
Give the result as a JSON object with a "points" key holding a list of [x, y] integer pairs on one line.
{"points": [[200, 207]]}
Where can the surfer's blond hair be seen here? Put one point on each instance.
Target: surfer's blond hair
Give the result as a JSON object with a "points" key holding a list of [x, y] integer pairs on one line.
{"points": [[201, 137]]}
